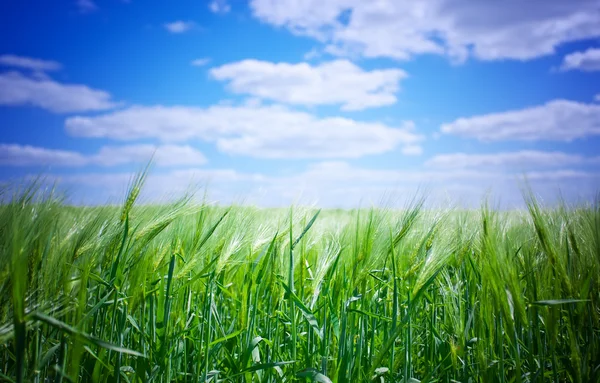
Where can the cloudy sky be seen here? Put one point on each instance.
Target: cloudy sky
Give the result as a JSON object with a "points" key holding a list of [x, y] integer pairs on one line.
{"points": [[339, 102]]}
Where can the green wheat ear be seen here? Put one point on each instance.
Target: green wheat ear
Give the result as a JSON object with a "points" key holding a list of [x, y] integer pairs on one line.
{"points": [[191, 292], [134, 191]]}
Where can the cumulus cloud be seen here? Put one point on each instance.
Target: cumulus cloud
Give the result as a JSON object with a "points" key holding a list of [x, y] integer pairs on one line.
{"points": [[487, 30], [336, 82], [557, 120], [587, 61], [251, 130], [164, 155], [29, 63], [520, 160], [219, 6], [17, 89], [179, 26]]}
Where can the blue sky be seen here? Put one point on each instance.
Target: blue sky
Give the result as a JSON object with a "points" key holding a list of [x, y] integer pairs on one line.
{"points": [[271, 102]]}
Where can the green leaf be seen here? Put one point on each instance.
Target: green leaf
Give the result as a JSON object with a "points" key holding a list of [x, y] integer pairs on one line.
{"points": [[258, 367], [62, 326], [554, 302], [310, 223], [226, 337], [313, 375], [306, 313]]}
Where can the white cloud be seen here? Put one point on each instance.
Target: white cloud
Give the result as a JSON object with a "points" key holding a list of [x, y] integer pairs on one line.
{"points": [[257, 131], [162, 182], [566, 175], [165, 155], [597, 97], [29, 63], [587, 61], [86, 6], [488, 30], [201, 61], [222, 185], [314, 53], [339, 184], [412, 150], [179, 26], [219, 6], [26, 155], [336, 82], [339, 171], [558, 120], [343, 185], [521, 160], [17, 89]]}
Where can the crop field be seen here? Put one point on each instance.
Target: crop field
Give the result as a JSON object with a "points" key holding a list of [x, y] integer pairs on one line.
{"points": [[192, 292]]}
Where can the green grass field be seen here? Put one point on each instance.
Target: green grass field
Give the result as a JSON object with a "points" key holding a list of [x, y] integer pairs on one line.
{"points": [[189, 292]]}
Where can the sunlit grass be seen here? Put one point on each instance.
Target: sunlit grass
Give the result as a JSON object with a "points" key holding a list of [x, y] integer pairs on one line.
{"points": [[189, 292]]}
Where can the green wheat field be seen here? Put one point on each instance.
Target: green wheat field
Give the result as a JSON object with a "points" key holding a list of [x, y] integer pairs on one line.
{"points": [[193, 292]]}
